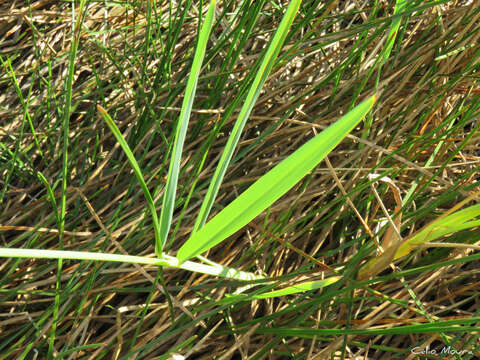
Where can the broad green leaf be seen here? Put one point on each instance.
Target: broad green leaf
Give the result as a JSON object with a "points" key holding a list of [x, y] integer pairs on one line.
{"points": [[136, 169], [174, 168], [252, 96], [271, 186]]}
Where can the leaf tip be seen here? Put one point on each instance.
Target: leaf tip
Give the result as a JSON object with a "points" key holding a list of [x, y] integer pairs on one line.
{"points": [[101, 110]]}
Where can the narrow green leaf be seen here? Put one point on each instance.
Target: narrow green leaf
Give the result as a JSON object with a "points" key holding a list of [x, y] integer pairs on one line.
{"points": [[24, 102], [400, 5], [437, 327], [51, 195], [447, 224], [136, 169], [294, 289], [459, 220], [298, 288], [271, 186], [174, 168], [252, 96]]}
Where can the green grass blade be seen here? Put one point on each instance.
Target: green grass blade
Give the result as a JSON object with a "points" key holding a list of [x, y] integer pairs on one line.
{"points": [[50, 194], [290, 290], [271, 186], [399, 7], [165, 260], [136, 169], [174, 168], [24, 103], [15, 154], [456, 221], [439, 326], [252, 96], [298, 288], [460, 220], [66, 113], [65, 134]]}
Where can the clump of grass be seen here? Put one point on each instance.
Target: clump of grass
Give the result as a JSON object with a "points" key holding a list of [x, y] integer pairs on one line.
{"points": [[248, 205], [212, 129]]}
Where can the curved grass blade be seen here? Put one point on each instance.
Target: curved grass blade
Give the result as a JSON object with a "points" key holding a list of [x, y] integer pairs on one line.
{"points": [[182, 125], [271, 186], [136, 169], [252, 96], [24, 102], [455, 222], [50, 194]]}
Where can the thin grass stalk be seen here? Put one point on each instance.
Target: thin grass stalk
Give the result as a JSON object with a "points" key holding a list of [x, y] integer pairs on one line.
{"points": [[136, 169], [65, 126], [165, 260]]}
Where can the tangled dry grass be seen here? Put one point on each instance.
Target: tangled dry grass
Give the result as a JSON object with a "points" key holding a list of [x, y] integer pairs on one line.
{"points": [[132, 60]]}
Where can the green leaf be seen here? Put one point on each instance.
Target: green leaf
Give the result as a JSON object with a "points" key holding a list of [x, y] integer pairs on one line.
{"points": [[457, 221], [271, 186], [299, 288], [174, 168], [252, 96], [136, 169]]}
